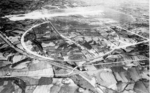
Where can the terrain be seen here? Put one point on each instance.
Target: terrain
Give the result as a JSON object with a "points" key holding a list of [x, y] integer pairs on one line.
{"points": [[69, 46]]}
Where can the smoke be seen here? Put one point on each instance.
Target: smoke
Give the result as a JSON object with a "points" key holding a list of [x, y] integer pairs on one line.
{"points": [[41, 14], [114, 2]]}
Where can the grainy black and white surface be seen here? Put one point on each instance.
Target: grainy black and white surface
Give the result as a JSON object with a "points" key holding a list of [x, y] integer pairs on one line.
{"points": [[74, 46]]}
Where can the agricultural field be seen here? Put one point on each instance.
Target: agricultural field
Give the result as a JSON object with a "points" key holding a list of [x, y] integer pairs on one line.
{"points": [[74, 46]]}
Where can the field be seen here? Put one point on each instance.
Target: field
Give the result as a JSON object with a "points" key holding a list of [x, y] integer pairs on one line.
{"points": [[70, 46]]}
